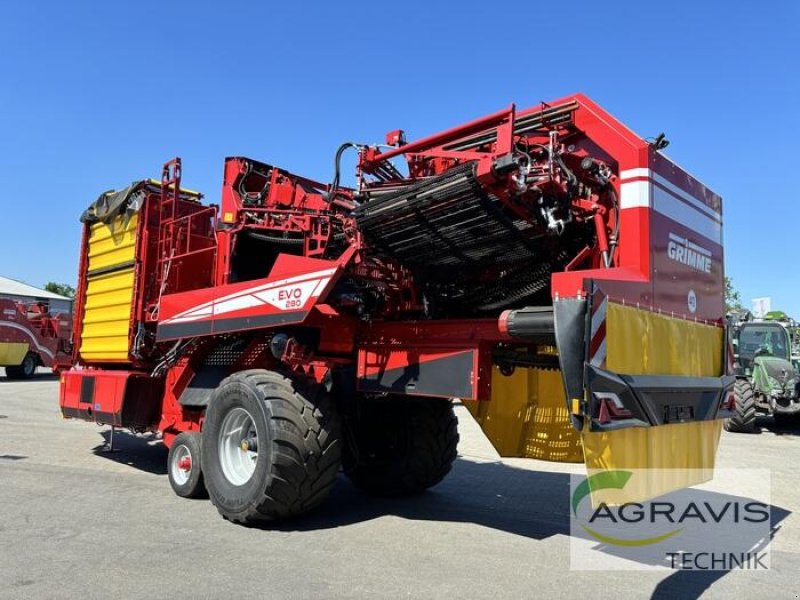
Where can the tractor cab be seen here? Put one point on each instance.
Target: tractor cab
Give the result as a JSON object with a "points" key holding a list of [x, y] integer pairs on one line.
{"points": [[761, 339]]}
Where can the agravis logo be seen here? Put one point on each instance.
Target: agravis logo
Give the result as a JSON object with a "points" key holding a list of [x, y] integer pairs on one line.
{"points": [[613, 480], [686, 528]]}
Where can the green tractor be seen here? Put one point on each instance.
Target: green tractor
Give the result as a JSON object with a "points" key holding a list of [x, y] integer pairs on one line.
{"points": [[767, 380]]}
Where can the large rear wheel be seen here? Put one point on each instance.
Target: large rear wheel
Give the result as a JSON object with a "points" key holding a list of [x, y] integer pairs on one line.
{"points": [[271, 447], [744, 420], [398, 446]]}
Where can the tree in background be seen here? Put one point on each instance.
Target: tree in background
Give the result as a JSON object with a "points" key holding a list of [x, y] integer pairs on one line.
{"points": [[62, 289], [733, 300]]}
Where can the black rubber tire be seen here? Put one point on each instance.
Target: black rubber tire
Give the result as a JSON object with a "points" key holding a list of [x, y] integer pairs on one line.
{"points": [[26, 369], [299, 447], [744, 421], [194, 486], [400, 446]]}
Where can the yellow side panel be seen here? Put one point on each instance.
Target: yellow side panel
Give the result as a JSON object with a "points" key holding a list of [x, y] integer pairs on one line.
{"points": [[109, 296], [674, 456], [641, 342], [106, 316], [112, 245], [12, 353], [527, 416]]}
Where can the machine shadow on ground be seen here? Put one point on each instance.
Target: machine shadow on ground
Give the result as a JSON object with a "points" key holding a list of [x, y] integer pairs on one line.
{"points": [[532, 504], [768, 424], [144, 452], [528, 503], [37, 377]]}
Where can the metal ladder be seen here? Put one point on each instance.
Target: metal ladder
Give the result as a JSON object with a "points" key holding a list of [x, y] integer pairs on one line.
{"points": [[167, 217]]}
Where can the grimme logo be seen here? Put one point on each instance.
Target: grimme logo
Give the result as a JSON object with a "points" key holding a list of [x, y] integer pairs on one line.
{"points": [[688, 253], [660, 524]]}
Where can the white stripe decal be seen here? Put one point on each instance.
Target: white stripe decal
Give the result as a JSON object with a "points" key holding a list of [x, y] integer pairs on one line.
{"points": [[688, 211], [192, 315], [686, 216], [208, 308], [600, 356], [635, 194], [598, 317], [631, 173], [25, 330], [320, 286], [290, 296], [598, 320], [696, 202], [236, 304], [628, 174]]}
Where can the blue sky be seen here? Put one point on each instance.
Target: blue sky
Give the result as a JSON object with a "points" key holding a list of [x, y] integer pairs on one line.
{"points": [[95, 95]]}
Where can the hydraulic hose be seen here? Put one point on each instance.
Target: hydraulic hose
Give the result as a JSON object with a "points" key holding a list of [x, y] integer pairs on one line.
{"points": [[337, 161]]}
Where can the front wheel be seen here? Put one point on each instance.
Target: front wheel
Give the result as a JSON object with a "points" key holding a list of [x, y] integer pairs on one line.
{"points": [[744, 419], [184, 466], [399, 446], [271, 447]]}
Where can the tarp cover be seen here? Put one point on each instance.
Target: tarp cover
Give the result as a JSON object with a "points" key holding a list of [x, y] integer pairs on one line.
{"points": [[112, 203]]}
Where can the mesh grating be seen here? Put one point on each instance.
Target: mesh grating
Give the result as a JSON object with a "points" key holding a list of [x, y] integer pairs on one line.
{"points": [[465, 247], [225, 354]]}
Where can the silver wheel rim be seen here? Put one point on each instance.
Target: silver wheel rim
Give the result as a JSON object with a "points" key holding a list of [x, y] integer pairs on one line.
{"points": [[179, 474], [236, 455]]}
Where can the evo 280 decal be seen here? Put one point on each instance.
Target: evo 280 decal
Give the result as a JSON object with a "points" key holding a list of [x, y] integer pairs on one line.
{"points": [[272, 303]]}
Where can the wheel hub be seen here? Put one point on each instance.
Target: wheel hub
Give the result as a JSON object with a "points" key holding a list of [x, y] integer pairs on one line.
{"points": [[181, 465], [238, 446]]}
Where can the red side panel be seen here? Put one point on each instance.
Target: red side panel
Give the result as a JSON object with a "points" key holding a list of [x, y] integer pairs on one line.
{"points": [[93, 395], [294, 286], [686, 241], [100, 396], [670, 255]]}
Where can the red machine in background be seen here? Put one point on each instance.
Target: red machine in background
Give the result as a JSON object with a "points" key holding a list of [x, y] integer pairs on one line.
{"points": [[305, 326], [30, 336]]}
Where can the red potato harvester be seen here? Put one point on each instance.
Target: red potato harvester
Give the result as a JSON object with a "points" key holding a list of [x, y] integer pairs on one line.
{"points": [[302, 328], [31, 336]]}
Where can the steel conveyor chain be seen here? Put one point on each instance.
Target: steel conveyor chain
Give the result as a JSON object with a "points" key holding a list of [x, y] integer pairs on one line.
{"points": [[446, 221]]}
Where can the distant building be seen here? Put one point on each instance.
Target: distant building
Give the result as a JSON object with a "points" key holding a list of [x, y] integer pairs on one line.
{"points": [[22, 292]]}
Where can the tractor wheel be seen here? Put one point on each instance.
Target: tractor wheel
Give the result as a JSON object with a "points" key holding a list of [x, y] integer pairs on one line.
{"points": [[271, 447], [744, 421], [26, 370], [184, 466], [400, 446]]}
